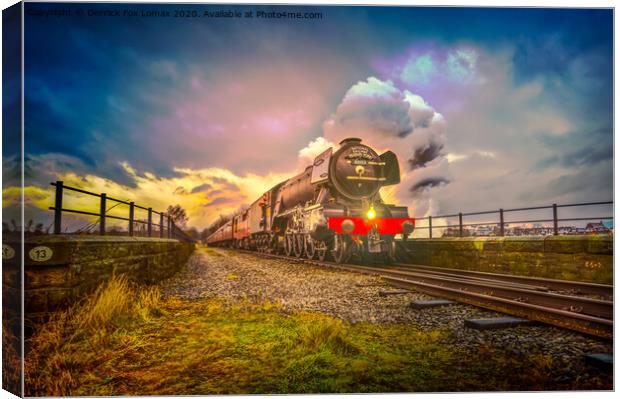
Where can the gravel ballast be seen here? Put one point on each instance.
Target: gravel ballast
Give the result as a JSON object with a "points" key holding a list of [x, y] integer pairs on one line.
{"points": [[353, 297]]}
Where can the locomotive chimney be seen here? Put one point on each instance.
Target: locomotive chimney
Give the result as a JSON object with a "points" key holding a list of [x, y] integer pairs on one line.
{"points": [[350, 140]]}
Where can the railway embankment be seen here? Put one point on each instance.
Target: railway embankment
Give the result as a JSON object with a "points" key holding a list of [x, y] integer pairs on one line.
{"points": [[242, 323], [577, 258]]}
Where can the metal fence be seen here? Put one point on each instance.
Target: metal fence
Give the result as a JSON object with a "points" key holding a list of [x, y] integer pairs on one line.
{"points": [[167, 227], [502, 222]]}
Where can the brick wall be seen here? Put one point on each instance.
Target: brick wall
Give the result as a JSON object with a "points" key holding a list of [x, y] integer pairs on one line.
{"points": [[580, 258], [59, 269]]}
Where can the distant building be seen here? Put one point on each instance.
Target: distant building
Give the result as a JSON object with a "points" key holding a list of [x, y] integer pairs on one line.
{"points": [[596, 228], [536, 230]]}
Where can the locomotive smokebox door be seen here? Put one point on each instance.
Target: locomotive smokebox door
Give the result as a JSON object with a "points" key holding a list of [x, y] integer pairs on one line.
{"points": [[356, 171], [320, 167]]}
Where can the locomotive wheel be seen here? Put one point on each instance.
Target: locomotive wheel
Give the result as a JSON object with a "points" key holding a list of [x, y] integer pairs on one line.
{"points": [[273, 248], [321, 250], [288, 245], [390, 257], [341, 251], [299, 245], [310, 249]]}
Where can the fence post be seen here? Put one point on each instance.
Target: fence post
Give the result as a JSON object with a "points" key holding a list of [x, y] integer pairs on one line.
{"points": [[102, 207], [430, 227], [460, 224], [131, 219], [555, 219], [150, 222], [169, 225], [501, 222], [161, 225], [58, 208]]}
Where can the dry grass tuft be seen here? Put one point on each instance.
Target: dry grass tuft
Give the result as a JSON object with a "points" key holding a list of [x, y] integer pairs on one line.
{"points": [[11, 360], [111, 299], [321, 331], [73, 338]]}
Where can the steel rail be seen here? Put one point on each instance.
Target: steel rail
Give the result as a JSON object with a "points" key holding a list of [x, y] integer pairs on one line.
{"points": [[586, 315], [474, 278], [594, 307], [522, 292], [552, 284], [581, 305], [586, 324]]}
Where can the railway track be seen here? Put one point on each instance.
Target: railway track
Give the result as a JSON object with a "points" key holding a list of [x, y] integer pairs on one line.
{"points": [[576, 287], [539, 299]]}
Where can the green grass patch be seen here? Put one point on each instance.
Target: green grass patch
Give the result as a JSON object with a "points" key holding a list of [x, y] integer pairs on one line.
{"points": [[126, 340]]}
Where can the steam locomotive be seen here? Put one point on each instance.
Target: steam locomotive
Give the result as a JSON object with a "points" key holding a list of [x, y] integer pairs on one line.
{"points": [[332, 209]]}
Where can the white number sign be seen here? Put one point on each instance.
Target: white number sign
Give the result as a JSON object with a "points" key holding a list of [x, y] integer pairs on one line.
{"points": [[40, 253], [7, 252]]}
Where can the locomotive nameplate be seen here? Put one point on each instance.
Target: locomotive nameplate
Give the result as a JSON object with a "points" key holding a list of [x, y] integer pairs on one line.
{"points": [[360, 153], [357, 162], [365, 162]]}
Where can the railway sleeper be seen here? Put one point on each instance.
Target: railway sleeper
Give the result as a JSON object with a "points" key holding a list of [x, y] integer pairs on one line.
{"points": [[498, 323]]}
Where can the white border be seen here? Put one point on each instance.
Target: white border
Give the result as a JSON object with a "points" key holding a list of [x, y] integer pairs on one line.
{"points": [[478, 3]]}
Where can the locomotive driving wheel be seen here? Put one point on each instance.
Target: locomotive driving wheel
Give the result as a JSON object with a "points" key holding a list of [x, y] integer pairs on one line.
{"points": [[321, 250], [288, 244], [310, 249], [341, 251], [273, 247], [265, 244], [298, 247]]}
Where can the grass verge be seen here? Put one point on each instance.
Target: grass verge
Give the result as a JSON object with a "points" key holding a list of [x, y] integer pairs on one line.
{"points": [[126, 340]]}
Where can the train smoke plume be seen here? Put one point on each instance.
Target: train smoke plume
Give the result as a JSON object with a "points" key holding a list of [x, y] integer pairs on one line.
{"points": [[388, 118], [429, 183]]}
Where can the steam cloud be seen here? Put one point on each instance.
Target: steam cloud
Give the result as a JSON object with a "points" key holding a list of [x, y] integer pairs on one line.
{"points": [[422, 156], [388, 118], [429, 183]]}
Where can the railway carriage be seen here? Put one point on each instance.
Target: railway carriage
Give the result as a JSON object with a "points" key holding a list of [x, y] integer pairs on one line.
{"points": [[331, 209], [222, 236], [241, 230]]}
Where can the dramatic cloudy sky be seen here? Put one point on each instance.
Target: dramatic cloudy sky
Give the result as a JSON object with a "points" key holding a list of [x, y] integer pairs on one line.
{"points": [[486, 108]]}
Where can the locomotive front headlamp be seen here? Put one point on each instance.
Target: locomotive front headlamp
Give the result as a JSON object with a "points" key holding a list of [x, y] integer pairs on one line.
{"points": [[371, 213]]}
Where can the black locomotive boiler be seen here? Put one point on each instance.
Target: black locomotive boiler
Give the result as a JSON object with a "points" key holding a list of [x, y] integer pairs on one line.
{"points": [[333, 208]]}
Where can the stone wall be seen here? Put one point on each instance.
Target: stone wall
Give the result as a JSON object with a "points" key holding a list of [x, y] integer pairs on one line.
{"points": [[580, 258], [60, 269]]}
